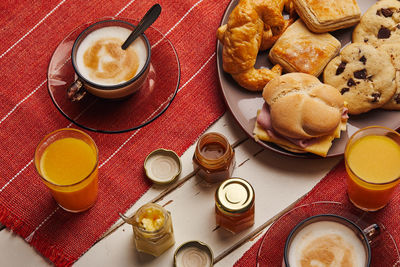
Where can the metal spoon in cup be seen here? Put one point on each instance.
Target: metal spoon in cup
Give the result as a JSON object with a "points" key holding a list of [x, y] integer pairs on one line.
{"points": [[148, 19]]}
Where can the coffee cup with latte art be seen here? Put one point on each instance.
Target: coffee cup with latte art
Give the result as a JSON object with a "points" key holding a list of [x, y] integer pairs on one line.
{"points": [[329, 240], [102, 67]]}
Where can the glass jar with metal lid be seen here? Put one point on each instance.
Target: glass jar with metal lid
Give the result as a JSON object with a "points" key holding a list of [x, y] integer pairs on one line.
{"points": [[214, 157], [234, 205], [152, 228]]}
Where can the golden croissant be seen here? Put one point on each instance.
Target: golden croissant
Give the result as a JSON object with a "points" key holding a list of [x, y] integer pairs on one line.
{"points": [[252, 26]]}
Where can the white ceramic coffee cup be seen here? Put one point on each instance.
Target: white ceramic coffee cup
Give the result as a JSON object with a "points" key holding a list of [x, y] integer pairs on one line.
{"points": [[108, 91], [347, 235]]}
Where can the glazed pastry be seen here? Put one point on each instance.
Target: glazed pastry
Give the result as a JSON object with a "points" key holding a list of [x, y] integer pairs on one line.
{"points": [[268, 37], [328, 15], [364, 76], [242, 38], [380, 24], [300, 50]]}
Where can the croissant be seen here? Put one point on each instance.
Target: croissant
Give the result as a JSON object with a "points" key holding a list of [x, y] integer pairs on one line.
{"points": [[252, 26]]}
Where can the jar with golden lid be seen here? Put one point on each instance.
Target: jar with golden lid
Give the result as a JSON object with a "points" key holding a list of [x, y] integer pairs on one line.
{"points": [[234, 205], [214, 157], [152, 229]]}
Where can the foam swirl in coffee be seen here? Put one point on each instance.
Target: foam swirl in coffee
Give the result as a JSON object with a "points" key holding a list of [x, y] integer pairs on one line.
{"points": [[101, 60], [328, 244]]}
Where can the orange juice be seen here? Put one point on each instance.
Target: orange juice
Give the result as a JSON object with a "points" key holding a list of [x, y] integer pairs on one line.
{"points": [[68, 166], [67, 161], [373, 167]]}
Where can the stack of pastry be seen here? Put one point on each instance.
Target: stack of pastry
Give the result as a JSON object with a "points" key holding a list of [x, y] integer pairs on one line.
{"points": [[256, 25], [252, 26], [306, 46]]}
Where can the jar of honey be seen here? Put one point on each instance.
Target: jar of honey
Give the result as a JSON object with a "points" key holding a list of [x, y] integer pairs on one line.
{"points": [[214, 157], [152, 228], [234, 205]]}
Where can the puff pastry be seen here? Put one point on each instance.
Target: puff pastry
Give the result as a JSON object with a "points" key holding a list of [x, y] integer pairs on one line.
{"points": [[300, 50], [328, 15]]}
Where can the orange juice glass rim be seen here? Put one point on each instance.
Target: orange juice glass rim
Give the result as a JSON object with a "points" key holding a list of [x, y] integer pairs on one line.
{"points": [[347, 148], [72, 130]]}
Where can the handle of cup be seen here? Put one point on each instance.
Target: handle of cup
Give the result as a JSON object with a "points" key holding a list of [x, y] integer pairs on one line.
{"points": [[76, 91], [372, 232]]}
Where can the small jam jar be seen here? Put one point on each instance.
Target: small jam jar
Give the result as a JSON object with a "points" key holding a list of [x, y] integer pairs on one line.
{"points": [[234, 205], [152, 228], [214, 157]]}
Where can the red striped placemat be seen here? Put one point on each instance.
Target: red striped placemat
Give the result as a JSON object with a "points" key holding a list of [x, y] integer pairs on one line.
{"points": [[333, 188], [30, 32]]}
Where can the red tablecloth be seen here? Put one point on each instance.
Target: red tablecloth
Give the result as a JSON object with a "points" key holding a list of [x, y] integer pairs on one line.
{"points": [[333, 188], [29, 33]]}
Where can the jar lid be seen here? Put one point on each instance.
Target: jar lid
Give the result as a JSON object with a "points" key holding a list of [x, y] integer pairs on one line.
{"points": [[235, 195], [162, 166], [193, 253]]}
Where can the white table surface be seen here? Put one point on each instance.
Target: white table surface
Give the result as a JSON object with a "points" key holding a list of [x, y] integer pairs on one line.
{"points": [[279, 181]]}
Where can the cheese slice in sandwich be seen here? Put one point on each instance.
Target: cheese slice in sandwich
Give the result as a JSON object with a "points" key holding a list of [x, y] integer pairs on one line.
{"points": [[318, 145]]}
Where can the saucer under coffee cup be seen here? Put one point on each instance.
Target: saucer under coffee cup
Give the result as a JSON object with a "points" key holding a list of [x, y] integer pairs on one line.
{"points": [[102, 67]]}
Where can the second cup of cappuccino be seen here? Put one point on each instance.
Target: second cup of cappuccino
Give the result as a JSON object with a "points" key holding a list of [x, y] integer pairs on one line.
{"points": [[327, 241], [103, 67]]}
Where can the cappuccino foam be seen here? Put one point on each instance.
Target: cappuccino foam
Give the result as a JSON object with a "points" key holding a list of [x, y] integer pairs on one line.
{"points": [[101, 60], [326, 244]]}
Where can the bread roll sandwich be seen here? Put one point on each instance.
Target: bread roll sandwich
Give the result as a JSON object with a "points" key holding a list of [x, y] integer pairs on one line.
{"points": [[301, 114]]}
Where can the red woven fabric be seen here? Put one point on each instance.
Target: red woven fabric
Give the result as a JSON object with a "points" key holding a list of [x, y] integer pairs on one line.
{"points": [[333, 188], [29, 34]]}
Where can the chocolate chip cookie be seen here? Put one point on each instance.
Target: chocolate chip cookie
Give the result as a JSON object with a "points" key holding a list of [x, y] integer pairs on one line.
{"points": [[380, 24], [393, 50], [364, 76]]}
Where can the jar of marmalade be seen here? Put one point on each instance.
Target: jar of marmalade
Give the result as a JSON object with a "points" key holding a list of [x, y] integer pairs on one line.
{"points": [[214, 157], [152, 228], [234, 205]]}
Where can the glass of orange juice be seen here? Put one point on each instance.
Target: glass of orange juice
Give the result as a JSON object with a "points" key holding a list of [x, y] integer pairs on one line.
{"points": [[67, 162], [372, 158]]}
